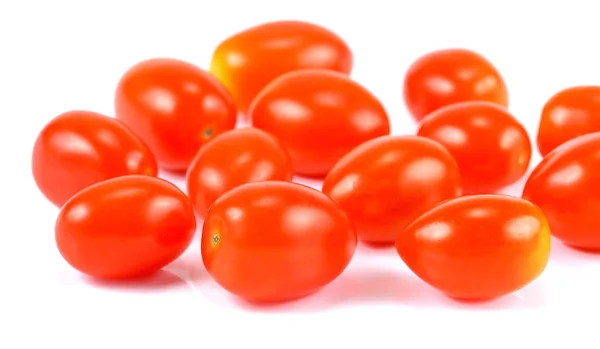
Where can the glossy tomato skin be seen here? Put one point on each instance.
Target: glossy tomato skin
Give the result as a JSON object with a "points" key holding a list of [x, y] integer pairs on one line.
{"points": [[276, 241], [247, 61], [79, 148], [125, 227], [385, 183], [233, 158], [449, 76], [570, 113], [319, 116], [491, 147], [175, 107], [477, 247], [565, 185]]}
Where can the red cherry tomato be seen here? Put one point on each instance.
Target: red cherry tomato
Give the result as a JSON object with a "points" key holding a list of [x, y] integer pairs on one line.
{"points": [[477, 247], [491, 147], [449, 76], [79, 148], [572, 112], [386, 182], [276, 241], [247, 61], [233, 158], [319, 116], [125, 227], [565, 185], [174, 107]]}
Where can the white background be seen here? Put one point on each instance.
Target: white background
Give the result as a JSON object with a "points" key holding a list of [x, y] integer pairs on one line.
{"points": [[59, 55]]}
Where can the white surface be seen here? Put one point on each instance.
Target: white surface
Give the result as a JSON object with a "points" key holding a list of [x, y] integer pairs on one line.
{"points": [[61, 55]]}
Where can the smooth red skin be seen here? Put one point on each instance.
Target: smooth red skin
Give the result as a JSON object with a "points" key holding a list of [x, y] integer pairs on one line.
{"points": [[175, 107], [565, 185], [491, 147], [570, 113], [277, 241], [477, 247], [319, 116], [79, 148], [234, 158], [385, 183], [449, 76], [247, 61], [125, 227]]}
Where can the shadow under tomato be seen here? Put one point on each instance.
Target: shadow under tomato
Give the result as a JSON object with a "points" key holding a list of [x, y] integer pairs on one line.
{"points": [[175, 177], [185, 272], [565, 254], [516, 188], [178, 174], [314, 182], [189, 266], [530, 297], [370, 285], [161, 280], [199, 225], [377, 246]]}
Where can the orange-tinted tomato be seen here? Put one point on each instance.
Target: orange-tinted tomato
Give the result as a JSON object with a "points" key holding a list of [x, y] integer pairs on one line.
{"points": [[477, 247], [565, 186], [572, 112], [233, 158], [174, 107], [386, 182], [79, 148], [276, 241], [491, 147], [247, 61], [125, 227], [319, 116], [449, 76]]}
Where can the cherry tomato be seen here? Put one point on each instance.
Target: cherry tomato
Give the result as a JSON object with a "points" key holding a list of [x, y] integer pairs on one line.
{"points": [[385, 183], [572, 112], [125, 227], [79, 148], [275, 241], [174, 107], [565, 185], [477, 247], [491, 147], [247, 61], [449, 76], [233, 158], [319, 116]]}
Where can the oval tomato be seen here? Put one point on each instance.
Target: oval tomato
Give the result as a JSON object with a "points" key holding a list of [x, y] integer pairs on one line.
{"points": [[79, 148], [174, 107], [319, 116], [245, 62], [386, 182], [449, 76], [572, 112], [233, 158], [491, 147], [477, 247], [276, 241], [125, 227], [565, 185]]}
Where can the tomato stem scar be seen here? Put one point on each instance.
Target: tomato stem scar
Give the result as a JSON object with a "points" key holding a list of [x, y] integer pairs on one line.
{"points": [[216, 239], [207, 133]]}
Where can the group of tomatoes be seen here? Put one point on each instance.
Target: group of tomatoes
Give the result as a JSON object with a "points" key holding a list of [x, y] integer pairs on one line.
{"points": [[266, 238]]}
